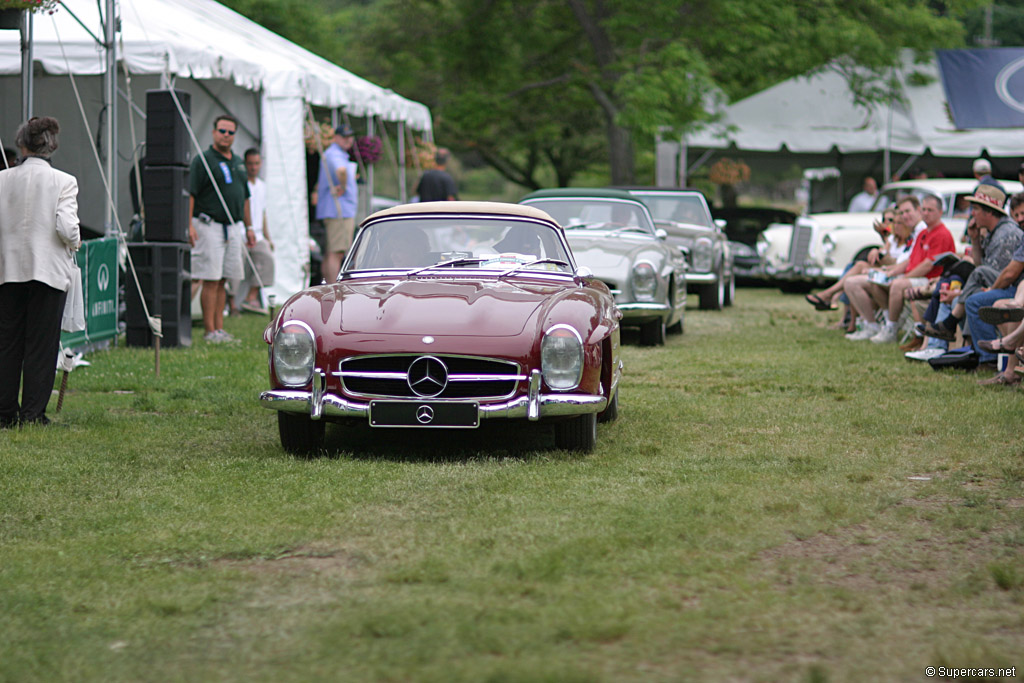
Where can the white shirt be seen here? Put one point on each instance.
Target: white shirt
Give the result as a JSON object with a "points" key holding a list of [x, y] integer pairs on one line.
{"points": [[862, 201], [38, 224], [257, 205]]}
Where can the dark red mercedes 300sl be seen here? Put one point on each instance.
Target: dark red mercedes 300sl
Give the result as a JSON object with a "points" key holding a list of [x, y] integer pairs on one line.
{"points": [[446, 314]]}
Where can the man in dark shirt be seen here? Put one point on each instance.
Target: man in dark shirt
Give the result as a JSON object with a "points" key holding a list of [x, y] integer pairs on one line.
{"points": [[436, 185], [219, 206]]}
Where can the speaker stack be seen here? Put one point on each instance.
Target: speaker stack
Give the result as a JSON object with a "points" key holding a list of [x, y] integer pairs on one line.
{"points": [[164, 270], [163, 261]]}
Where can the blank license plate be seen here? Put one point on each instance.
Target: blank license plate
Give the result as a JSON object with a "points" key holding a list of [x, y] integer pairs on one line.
{"points": [[423, 414]]}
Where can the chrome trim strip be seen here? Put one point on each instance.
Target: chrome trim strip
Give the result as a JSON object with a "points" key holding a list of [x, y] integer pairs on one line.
{"points": [[550, 405], [700, 278]]}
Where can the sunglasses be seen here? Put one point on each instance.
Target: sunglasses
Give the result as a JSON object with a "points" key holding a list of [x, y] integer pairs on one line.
{"points": [[224, 131]]}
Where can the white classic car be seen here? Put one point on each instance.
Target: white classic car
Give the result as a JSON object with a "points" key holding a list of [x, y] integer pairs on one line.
{"points": [[817, 248]]}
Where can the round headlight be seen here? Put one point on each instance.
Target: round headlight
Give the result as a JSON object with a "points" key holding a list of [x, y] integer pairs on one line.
{"points": [[561, 358], [703, 257], [644, 281], [828, 245], [294, 354], [761, 245]]}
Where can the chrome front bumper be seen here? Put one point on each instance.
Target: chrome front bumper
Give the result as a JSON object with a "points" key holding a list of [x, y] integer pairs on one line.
{"points": [[693, 278], [534, 406], [643, 311]]}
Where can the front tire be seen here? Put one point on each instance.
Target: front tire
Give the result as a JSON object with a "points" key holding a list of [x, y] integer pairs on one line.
{"points": [[300, 435], [652, 333], [712, 297], [578, 434]]}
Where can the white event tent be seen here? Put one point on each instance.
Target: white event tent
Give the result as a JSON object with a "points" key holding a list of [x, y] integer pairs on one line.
{"points": [[226, 62], [815, 118]]}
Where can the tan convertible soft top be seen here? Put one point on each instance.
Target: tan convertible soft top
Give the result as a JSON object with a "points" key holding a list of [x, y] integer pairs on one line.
{"points": [[496, 208]]}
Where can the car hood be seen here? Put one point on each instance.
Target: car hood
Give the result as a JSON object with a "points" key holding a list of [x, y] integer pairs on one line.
{"points": [[604, 254], [442, 307]]}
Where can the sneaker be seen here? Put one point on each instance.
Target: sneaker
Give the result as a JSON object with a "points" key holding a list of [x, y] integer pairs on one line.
{"points": [[924, 354], [224, 336], [213, 337], [886, 335], [867, 332]]}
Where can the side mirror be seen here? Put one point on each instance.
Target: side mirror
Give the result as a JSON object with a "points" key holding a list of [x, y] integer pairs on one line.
{"points": [[661, 233], [584, 272], [720, 223]]}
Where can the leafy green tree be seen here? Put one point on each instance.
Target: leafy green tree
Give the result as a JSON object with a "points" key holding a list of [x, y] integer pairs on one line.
{"points": [[546, 89]]}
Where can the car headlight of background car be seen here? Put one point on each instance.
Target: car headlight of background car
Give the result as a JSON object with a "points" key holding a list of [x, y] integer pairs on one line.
{"points": [[761, 245], [561, 358], [702, 255], [644, 281], [294, 354], [828, 245]]}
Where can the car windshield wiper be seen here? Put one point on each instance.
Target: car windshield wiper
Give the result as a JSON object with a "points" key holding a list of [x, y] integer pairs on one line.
{"points": [[464, 261], [556, 261]]}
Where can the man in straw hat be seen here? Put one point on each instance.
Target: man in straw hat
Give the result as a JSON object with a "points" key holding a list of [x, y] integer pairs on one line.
{"points": [[998, 253]]}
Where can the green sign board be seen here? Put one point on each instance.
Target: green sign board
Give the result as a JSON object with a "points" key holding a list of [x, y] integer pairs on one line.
{"points": [[98, 261]]}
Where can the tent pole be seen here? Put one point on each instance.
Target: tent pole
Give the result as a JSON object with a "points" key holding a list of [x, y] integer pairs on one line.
{"points": [[27, 75], [369, 169], [110, 102], [402, 191]]}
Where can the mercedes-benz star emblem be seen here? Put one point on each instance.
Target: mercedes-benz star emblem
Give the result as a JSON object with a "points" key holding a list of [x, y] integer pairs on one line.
{"points": [[428, 376], [424, 415]]}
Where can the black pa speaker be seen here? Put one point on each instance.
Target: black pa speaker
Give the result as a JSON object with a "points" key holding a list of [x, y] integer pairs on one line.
{"points": [[165, 277], [165, 194], [167, 140]]}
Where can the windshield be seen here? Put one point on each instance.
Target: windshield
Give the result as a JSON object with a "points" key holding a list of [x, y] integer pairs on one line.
{"points": [[422, 242], [678, 209], [596, 214]]}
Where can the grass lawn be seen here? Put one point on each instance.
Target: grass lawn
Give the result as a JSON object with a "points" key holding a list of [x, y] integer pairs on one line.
{"points": [[774, 503]]}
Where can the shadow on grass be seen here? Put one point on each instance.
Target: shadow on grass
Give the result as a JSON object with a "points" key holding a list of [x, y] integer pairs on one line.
{"points": [[492, 440]]}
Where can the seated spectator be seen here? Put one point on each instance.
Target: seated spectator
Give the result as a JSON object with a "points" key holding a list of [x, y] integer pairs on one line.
{"points": [[897, 238], [1000, 263], [1007, 314], [866, 294]]}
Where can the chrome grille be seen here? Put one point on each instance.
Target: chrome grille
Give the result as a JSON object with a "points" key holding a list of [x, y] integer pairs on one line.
{"points": [[799, 245], [387, 376]]}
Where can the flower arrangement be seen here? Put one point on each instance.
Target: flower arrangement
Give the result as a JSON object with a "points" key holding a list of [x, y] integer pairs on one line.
{"points": [[49, 6], [369, 147], [421, 155]]}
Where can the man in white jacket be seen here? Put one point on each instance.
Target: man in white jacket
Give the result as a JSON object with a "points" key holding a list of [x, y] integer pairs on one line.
{"points": [[38, 236]]}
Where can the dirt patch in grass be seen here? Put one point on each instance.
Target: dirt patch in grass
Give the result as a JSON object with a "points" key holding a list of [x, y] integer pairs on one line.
{"points": [[305, 561], [895, 551]]}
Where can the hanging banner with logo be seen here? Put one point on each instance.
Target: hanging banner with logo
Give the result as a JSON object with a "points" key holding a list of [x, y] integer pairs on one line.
{"points": [[98, 262], [984, 87]]}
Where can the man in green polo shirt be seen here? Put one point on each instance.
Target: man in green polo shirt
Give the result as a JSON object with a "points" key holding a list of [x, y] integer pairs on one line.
{"points": [[219, 206]]}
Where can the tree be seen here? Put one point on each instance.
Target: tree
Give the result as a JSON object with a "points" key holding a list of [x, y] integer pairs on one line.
{"points": [[544, 89]]}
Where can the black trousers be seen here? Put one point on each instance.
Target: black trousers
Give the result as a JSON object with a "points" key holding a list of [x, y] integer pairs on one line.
{"points": [[30, 318]]}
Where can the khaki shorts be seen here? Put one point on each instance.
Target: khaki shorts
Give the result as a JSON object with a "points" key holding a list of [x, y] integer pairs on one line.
{"points": [[213, 257], [339, 233]]}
